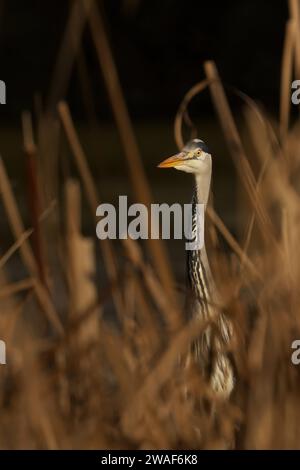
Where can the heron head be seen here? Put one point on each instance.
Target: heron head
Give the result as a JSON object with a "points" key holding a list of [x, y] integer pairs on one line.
{"points": [[194, 158]]}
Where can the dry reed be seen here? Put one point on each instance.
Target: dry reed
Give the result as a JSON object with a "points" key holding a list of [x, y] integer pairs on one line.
{"points": [[80, 381]]}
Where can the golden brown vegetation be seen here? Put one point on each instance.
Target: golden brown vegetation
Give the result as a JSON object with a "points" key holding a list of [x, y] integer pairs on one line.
{"points": [[76, 380]]}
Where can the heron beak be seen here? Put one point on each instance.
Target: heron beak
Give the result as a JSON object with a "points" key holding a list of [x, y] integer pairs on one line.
{"points": [[173, 161]]}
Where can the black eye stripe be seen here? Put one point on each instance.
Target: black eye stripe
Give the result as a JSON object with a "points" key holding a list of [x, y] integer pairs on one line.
{"points": [[203, 147], [196, 144]]}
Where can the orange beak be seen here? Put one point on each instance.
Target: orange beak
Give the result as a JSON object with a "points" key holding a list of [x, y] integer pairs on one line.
{"points": [[175, 160]]}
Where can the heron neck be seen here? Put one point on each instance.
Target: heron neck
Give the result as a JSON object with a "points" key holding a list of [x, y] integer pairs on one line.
{"points": [[203, 187], [201, 196]]}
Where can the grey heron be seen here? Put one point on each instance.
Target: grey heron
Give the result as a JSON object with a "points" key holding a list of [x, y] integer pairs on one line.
{"points": [[209, 351]]}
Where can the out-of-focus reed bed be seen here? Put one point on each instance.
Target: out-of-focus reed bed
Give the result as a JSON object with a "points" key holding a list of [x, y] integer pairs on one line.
{"points": [[77, 379]]}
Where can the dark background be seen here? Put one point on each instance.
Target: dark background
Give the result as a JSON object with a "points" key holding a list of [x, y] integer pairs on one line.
{"points": [[159, 46]]}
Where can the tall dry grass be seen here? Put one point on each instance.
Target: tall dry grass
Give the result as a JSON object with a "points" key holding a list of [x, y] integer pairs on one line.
{"points": [[76, 380]]}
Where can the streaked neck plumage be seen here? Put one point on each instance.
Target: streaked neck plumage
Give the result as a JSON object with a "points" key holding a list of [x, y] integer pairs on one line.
{"points": [[199, 273], [202, 303]]}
